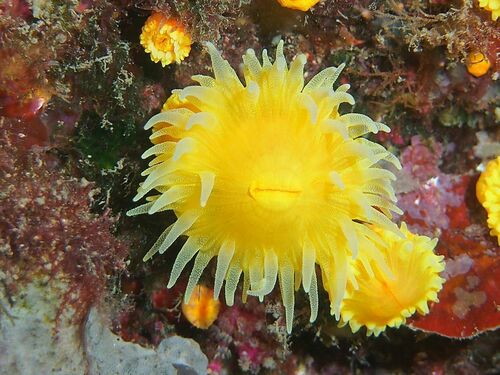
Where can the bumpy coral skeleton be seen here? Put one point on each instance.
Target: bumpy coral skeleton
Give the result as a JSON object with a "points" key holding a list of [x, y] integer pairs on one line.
{"points": [[271, 179]]}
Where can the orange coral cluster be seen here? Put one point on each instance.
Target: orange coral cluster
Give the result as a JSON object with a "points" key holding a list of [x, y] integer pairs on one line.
{"points": [[165, 39]]}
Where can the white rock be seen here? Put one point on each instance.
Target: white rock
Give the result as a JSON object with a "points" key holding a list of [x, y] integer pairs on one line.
{"points": [[28, 345]]}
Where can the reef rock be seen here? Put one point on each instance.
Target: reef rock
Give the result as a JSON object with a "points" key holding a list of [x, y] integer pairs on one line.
{"points": [[174, 355], [29, 344], [33, 341]]}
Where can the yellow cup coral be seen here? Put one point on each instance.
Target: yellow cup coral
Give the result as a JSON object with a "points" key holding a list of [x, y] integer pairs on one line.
{"points": [[269, 177], [303, 5], [488, 194], [493, 6], [165, 39], [378, 298]]}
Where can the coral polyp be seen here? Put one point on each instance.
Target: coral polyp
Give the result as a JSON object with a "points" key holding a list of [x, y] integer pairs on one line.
{"points": [[379, 298], [493, 6], [478, 64], [165, 39], [303, 5], [202, 309], [269, 177], [488, 194]]}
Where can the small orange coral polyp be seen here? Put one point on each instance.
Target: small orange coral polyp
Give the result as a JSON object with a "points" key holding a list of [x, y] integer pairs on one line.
{"points": [[202, 309], [478, 64], [165, 39], [303, 5]]}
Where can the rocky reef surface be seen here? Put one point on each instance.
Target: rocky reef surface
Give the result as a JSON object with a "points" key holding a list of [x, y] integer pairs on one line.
{"points": [[30, 345]]}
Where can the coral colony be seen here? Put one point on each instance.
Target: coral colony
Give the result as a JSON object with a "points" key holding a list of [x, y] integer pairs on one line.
{"points": [[269, 177]]}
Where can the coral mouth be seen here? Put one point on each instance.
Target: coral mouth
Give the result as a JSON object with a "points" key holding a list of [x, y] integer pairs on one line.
{"points": [[274, 198]]}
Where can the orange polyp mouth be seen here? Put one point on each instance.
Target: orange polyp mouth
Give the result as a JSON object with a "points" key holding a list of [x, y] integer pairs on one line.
{"points": [[274, 198], [163, 42]]}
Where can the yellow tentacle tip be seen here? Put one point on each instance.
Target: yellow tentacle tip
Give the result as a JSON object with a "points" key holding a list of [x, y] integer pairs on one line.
{"points": [[493, 6]]}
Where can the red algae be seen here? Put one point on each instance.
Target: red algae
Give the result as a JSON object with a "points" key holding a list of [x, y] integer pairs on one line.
{"points": [[435, 202], [47, 228], [25, 134], [15, 8], [470, 297], [426, 194], [22, 92], [258, 345]]}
